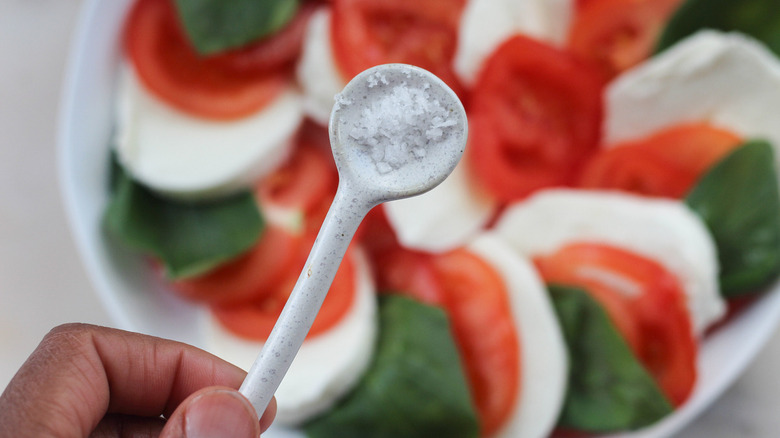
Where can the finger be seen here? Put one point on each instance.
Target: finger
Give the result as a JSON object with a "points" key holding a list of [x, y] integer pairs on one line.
{"points": [[268, 415], [121, 426], [213, 412], [80, 372]]}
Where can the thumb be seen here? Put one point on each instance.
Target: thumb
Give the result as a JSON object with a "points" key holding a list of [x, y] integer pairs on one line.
{"points": [[213, 412]]}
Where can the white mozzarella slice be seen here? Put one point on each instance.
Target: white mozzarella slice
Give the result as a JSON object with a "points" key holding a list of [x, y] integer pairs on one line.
{"points": [[326, 367], [443, 218], [189, 157], [485, 24], [291, 219], [544, 358], [664, 230], [727, 79], [317, 71]]}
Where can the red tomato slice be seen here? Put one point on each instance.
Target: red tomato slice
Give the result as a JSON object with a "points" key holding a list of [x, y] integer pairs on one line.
{"points": [[536, 116], [275, 52], [618, 34], [665, 164], [410, 273], [307, 182], [376, 235], [397, 269], [170, 68], [256, 319], [419, 32], [249, 277], [477, 303], [482, 324], [579, 4], [644, 300]]}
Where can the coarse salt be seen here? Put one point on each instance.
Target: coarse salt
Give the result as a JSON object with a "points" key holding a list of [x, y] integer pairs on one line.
{"points": [[400, 124]]}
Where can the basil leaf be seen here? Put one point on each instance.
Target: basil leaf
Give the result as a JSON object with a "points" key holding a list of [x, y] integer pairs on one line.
{"points": [[738, 200], [757, 18], [415, 386], [217, 25], [188, 238], [609, 390]]}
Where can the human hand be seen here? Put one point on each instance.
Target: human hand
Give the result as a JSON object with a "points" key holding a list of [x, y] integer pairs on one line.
{"points": [[92, 381]]}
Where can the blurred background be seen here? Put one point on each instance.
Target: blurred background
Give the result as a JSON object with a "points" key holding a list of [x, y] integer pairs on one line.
{"points": [[42, 281]]}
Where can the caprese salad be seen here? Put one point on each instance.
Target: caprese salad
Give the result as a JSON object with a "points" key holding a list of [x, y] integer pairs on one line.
{"points": [[618, 194]]}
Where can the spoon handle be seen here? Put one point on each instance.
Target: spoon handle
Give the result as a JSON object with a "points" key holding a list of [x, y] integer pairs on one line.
{"points": [[343, 218]]}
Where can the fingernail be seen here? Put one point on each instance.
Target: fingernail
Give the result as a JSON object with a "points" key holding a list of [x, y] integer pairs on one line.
{"points": [[220, 414]]}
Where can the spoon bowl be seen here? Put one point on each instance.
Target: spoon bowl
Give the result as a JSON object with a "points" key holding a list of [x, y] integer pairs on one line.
{"points": [[397, 131]]}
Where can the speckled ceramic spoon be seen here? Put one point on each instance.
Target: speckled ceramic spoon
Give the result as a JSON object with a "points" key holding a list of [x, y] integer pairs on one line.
{"points": [[396, 131]]}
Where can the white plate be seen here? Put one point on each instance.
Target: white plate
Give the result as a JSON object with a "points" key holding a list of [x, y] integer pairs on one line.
{"points": [[136, 302]]}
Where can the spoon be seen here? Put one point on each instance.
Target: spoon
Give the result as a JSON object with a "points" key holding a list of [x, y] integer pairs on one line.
{"points": [[396, 131]]}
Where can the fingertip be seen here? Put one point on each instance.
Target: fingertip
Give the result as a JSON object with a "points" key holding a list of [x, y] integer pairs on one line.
{"points": [[212, 413], [268, 415]]}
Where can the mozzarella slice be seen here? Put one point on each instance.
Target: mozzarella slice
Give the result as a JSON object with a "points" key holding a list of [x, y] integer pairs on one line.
{"points": [[326, 367], [317, 71], [485, 24], [727, 79], [663, 230], [544, 361], [443, 218], [189, 157], [291, 219]]}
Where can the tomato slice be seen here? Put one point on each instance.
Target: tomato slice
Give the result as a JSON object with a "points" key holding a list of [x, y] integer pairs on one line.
{"points": [[410, 273], [249, 277], [477, 303], [618, 34], [536, 117], [398, 270], [171, 69], [579, 4], [376, 235], [275, 52], [306, 183], [475, 298], [644, 300], [366, 33], [666, 164], [255, 320]]}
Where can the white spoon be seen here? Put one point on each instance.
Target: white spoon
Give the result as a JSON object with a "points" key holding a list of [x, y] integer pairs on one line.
{"points": [[396, 131]]}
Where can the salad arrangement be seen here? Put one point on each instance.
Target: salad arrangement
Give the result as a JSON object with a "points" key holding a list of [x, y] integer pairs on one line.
{"points": [[618, 197]]}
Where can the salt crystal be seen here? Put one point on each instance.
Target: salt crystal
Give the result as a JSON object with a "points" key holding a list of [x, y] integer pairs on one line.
{"points": [[341, 101], [383, 167], [419, 152]]}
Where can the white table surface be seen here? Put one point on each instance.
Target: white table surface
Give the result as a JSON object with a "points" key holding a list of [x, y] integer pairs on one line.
{"points": [[42, 282]]}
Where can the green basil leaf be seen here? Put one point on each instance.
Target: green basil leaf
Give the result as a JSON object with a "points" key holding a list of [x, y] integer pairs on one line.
{"points": [[609, 390], [188, 238], [415, 386], [757, 18], [217, 25], [738, 200]]}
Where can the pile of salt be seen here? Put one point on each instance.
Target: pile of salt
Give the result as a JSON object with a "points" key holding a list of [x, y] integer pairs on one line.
{"points": [[400, 124]]}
